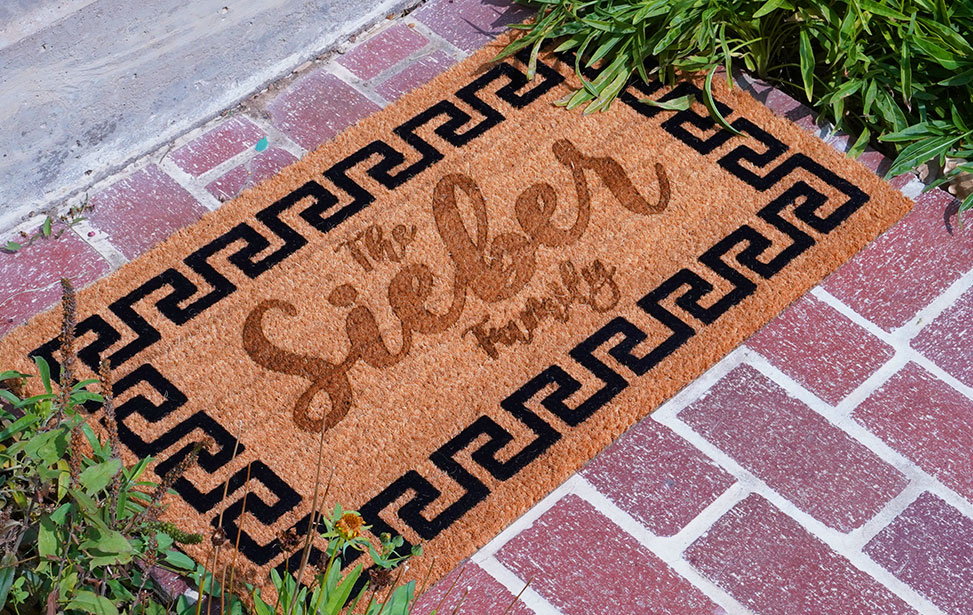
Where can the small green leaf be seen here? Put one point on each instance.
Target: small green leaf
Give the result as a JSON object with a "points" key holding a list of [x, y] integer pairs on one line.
{"points": [[97, 477], [92, 603], [12, 246], [46, 227], [45, 371], [860, 144], [711, 104]]}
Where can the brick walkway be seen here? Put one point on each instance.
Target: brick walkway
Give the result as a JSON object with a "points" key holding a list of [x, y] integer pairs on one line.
{"points": [[824, 468]]}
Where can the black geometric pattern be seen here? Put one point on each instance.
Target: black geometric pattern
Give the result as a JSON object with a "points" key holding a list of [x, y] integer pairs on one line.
{"points": [[256, 246]]}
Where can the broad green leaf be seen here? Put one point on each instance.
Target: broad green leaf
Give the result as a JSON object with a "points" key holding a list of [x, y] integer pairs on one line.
{"points": [[108, 546], [97, 477], [860, 144], [772, 5], [180, 560], [807, 64], [944, 57], [7, 572], [12, 246], [920, 152], [340, 596], [19, 425], [47, 538], [90, 602], [882, 8]]}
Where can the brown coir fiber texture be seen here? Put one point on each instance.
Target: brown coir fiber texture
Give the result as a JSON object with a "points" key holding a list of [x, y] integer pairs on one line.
{"points": [[472, 292]]}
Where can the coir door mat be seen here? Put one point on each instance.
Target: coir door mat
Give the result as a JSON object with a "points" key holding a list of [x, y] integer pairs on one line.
{"points": [[472, 292]]}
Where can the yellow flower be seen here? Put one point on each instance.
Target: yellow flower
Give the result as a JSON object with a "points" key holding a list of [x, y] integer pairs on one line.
{"points": [[349, 525]]}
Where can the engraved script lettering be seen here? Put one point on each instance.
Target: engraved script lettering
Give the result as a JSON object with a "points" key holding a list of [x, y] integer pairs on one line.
{"points": [[493, 267]]}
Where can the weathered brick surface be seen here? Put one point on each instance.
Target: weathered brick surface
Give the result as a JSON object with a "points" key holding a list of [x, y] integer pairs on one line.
{"points": [[902, 271], [143, 209], [657, 477], [470, 24], [795, 450], [317, 107], [469, 590], [383, 50], [926, 420], [216, 146], [948, 340], [584, 564], [930, 547], [821, 349], [29, 277], [415, 74], [262, 166], [772, 565]]}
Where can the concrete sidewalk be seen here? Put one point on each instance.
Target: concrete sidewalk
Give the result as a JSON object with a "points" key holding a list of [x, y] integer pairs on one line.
{"points": [[89, 86]]}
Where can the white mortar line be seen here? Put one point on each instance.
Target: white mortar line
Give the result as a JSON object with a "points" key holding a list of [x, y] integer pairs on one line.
{"points": [[191, 184], [522, 523], [514, 584], [278, 138], [355, 82], [668, 550], [904, 334], [846, 545], [863, 436], [203, 179], [100, 243], [900, 338], [434, 38]]}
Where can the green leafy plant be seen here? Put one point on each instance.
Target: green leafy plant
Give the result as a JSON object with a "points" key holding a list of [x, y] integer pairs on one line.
{"points": [[78, 529], [895, 71], [332, 591], [52, 227]]}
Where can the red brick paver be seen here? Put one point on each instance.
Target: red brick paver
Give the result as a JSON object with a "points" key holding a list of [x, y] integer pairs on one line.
{"points": [[470, 24], [930, 547], [821, 349], [767, 561], [657, 477], [263, 166], [415, 74], [469, 590], [29, 278], [585, 565], [383, 50], [904, 270], [218, 145], [948, 340], [928, 421], [143, 209], [796, 451], [317, 107]]}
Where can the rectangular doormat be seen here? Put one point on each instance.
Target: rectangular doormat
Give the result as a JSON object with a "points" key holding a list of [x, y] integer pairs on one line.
{"points": [[472, 293]]}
